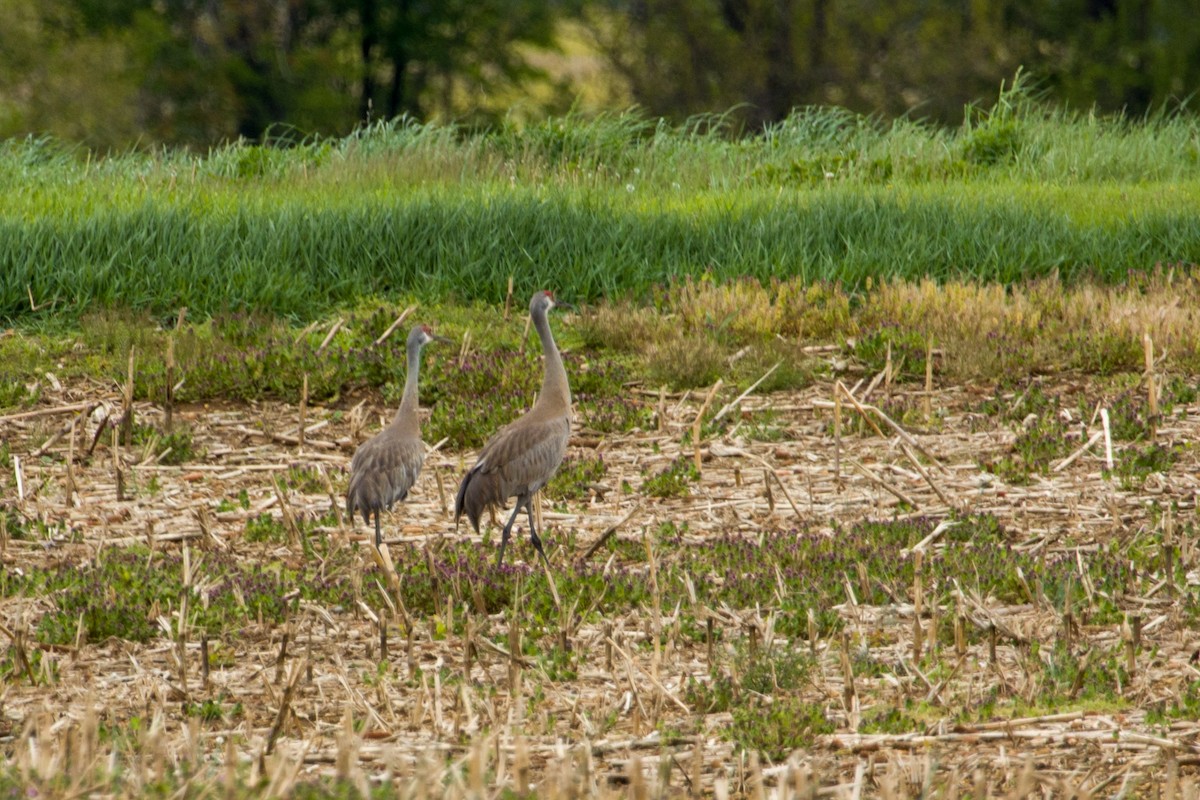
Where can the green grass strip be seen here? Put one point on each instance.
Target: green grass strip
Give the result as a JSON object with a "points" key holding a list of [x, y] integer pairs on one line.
{"points": [[302, 256]]}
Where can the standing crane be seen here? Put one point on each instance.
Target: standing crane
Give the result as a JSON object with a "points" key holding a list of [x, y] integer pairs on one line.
{"points": [[523, 455], [386, 466]]}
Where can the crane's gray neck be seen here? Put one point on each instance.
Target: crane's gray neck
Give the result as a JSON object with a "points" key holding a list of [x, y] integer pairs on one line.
{"points": [[407, 419], [555, 395]]}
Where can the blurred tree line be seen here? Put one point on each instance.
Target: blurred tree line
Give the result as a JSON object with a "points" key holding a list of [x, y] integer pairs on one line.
{"points": [[113, 73]]}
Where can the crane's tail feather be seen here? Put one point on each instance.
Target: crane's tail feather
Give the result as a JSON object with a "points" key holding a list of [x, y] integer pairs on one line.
{"points": [[477, 492], [352, 503]]}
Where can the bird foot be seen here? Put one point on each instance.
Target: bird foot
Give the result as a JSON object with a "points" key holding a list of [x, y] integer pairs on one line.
{"points": [[537, 545]]}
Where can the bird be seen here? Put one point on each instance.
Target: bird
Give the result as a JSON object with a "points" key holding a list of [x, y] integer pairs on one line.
{"points": [[522, 456], [386, 466]]}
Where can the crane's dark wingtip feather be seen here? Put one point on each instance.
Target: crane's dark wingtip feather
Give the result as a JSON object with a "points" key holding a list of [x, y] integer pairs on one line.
{"points": [[477, 491]]}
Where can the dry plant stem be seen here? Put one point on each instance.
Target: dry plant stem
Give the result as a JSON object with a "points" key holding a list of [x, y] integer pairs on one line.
{"points": [[383, 337], [656, 599], [464, 349], [882, 484], [903, 434], [127, 409], [383, 638], [1108, 448], [553, 590], [927, 400], [1071, 459], [631, 665], [916, 462], [514, 653], [285, 705], [20, 478], [612, 529], [18, 643], [918, 606], [47, 412], [169, 387], [289, 519], [281, 659], [837, 437], [848, 692], [32, 305], [768, 471], [865, 742], [437, 475], [334, 500], [732, 404], [63, 431], [204, 663], [1007, 724], [1151, 390], [181, 630], [508, 298], [329, 336], [119, 472], [698, 423], [301, 414], [309, 328]]}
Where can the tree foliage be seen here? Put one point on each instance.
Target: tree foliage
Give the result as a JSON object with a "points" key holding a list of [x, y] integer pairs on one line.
{"points": [[930, 59], [111, 73]]}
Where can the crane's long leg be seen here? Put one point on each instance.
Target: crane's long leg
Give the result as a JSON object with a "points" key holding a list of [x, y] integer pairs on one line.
{"points": [[378, 537], [507, 530], [533, 537]]}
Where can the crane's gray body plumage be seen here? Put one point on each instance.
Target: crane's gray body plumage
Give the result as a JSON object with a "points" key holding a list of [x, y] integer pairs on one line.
{"points": [[523, 455], [382, 471], [386, 466]]}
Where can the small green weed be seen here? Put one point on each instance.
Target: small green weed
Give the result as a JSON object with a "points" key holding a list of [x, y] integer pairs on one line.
{"points": [[1182, 705], [777, 729], [124, 595], [265, 528], [475, 397], [890, 719], [685, 362], [1139, 463], [759, 672], [673, 481], [214, 709], [1033, 450], [14, 393], [306, 480], [172, 448], [908, 350], [573, 478]]}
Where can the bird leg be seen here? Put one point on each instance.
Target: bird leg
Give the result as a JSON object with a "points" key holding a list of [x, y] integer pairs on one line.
{"points": [[507, 529], [378, 537], [533, 537]]}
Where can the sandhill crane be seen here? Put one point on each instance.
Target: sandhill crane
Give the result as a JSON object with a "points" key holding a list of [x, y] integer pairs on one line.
{"points": [[523, 455], [386, 466]]}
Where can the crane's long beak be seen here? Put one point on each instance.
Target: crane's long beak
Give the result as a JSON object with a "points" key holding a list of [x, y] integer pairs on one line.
{"points": [[443, 339], [564, 304]]}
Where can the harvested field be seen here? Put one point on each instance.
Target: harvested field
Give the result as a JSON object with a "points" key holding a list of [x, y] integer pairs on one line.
{"points": [[1032, 631]]}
